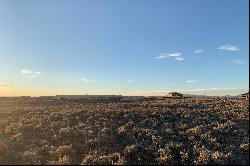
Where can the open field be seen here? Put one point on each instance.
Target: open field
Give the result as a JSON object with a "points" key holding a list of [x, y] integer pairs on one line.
{"points": [[171, 131]]}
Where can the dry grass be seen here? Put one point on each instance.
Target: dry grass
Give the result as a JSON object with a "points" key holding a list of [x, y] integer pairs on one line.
{"points": [[186, 131]]}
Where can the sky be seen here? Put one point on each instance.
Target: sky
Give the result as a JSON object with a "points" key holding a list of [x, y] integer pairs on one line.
{"points": [[124, 47]]}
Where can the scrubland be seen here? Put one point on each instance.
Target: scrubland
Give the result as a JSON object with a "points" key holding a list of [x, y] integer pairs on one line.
{"points": [[171, 131]]}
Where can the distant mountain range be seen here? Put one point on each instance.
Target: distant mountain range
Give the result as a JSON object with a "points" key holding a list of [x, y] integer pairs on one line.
{"points": [[205, 96]]}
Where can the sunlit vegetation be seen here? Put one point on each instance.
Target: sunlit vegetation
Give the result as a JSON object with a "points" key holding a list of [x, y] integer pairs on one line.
{"points": [[181, 131]]}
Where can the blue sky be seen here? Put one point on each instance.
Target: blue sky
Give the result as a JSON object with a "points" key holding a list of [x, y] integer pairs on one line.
{"points": [[140, 47]]}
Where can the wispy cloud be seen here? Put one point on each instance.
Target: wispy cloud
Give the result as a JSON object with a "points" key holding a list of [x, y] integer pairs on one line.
{"points": [[228, 47], [168, 55], [179, 59], [7, 86], [30, 73], [239, 61], [130, 80], [190, 81], [86, 80], [177, 54], [198, 51]]}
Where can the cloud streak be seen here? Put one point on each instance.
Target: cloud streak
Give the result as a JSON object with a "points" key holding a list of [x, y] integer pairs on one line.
{"points": [[86, 80], [239, 61], [7, 86], [228, 47], [198, 51], [168, 55], [176, 56], [190, 81], [30, 73], [179, 59]]}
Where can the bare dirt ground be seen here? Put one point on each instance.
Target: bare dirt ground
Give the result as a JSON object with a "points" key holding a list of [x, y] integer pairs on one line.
{"points": [[171, 131]]}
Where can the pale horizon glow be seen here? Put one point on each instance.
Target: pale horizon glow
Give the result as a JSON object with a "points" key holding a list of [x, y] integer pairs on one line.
{"points": [[198, 91]]}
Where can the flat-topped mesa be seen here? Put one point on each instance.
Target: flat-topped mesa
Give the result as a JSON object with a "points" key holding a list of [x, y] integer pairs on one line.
{"points": [[175, 95], [245, 96]]}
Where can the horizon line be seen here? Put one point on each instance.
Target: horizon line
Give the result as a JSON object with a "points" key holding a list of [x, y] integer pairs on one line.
{"points": [[119, 95]]}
